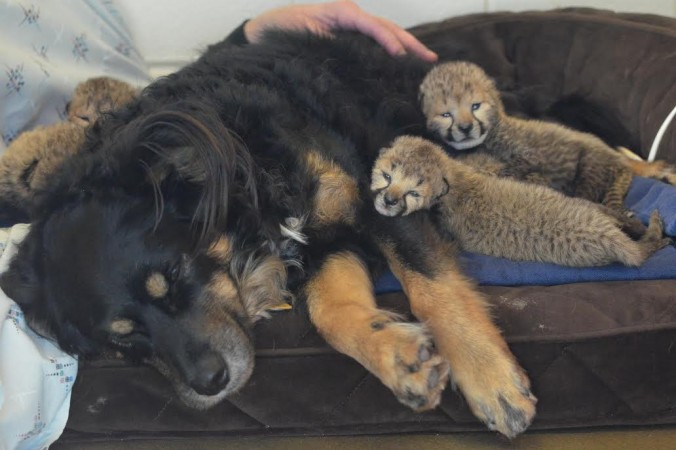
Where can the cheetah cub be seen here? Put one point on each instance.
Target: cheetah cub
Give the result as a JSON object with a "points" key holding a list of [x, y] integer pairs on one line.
{"points": [[501, 216], [29, 161], [463, 108]]}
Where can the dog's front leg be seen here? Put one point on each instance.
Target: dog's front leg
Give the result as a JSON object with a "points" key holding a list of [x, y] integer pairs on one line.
{"points": [[494, 385], [401, 354]]}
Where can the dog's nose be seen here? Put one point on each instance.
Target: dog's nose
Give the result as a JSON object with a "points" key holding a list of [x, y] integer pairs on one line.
{"points": [[211, 375], [465, 128], [389, 201]]}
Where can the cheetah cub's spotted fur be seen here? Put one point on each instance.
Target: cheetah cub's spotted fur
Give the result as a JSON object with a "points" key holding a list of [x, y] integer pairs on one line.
{"points": [[464, 109], [500, 216]]}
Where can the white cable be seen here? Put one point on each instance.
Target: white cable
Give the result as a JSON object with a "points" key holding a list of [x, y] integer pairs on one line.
{"points": [[660, 133]]}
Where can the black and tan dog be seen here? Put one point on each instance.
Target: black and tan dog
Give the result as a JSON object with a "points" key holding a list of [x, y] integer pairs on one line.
{"points": [[242, 176]]}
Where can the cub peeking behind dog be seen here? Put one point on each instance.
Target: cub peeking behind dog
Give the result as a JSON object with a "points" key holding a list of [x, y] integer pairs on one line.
{"points": [[34, 155], [500, 216], [464, 109]]}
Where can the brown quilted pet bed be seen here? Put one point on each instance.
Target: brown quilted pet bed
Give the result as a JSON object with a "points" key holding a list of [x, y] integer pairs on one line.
{"points": [[599, 354]]}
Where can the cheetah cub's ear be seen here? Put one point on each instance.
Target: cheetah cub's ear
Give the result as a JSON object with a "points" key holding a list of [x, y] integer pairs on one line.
{"points": [[406, 177]]}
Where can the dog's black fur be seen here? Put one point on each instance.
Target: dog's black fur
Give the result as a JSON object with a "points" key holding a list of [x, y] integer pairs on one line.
{"points": [[213, 150], [192, 210]]}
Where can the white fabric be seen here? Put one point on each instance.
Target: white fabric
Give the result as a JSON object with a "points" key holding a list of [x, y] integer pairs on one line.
{"points": [[660, 133], [36, 377]]}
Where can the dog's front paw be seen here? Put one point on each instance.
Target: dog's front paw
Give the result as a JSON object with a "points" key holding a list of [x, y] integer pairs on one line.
{"points": [[501, 398], [408, 364]]}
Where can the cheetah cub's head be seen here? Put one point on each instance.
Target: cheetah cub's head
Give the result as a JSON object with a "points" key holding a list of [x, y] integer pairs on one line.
{"points": [[407, 177], [461, 104], [97, 96]]}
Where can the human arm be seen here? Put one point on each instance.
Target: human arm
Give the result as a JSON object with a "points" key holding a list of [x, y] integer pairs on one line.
{"points": [[324, 18]]}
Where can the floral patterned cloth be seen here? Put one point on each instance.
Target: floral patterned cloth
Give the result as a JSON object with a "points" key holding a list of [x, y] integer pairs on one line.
{"points": [[47, 47], [36, 377]]}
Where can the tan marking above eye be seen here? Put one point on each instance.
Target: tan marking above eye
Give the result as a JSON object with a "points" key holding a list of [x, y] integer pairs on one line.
{"points": [[157, 285], [122, 326], [220, 249]]}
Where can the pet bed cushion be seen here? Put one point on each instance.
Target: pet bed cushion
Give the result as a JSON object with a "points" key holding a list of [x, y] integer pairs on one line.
{"points": [[598, 353]]}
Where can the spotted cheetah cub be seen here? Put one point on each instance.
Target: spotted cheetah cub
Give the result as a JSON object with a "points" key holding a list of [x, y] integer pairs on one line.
{"points": [[463, 108], [34, 155], [501, 216]]}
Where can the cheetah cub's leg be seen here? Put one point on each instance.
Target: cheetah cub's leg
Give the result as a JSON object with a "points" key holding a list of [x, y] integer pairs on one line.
{"points": [[614, 198], [401, 354], [613, 204]]}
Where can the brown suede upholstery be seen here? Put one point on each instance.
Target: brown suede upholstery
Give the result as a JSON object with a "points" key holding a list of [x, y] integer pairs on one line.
{"points": [[598, 353]]}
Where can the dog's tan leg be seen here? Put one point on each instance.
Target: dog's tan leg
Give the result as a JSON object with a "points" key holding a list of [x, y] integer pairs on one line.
{"points": [[494, 385], [342, 307]]}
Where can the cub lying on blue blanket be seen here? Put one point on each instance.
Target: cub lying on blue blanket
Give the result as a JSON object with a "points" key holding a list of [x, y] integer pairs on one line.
{"points": [[500, 216]]}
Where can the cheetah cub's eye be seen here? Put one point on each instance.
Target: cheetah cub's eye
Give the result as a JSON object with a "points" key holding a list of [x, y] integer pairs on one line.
{"points": [[446, 114], [475, 106], [413, 194], [387, 177]]}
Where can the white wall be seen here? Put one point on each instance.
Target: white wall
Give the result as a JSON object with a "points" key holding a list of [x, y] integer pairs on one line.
{"points": [[171, 32]]}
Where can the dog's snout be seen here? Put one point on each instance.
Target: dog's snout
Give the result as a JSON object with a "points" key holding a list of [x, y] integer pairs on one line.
{"points": [[211, 375], [390, 201]]}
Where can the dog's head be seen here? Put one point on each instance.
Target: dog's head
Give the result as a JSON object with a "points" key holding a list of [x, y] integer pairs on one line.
{"points": [[461, 104], [136, 256]]}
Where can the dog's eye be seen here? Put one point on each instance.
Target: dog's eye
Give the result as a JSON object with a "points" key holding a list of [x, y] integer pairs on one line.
{"points": [[446, 114], [175, 272], [475, 106], [414, 194], [387, 177]]}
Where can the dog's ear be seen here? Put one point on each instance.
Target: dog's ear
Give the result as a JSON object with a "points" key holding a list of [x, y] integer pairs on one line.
{"points": [[20, 281], [194, 162]]}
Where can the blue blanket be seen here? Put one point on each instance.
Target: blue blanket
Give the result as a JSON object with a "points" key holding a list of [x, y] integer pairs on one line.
{"points": [[644, 196]]}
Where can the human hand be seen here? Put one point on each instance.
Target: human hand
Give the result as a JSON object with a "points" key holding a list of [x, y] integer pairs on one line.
{"points": [[323, 18]]}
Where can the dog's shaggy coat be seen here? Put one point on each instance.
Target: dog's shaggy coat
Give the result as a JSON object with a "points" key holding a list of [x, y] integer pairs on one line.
{"points": [[246, 174]]}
